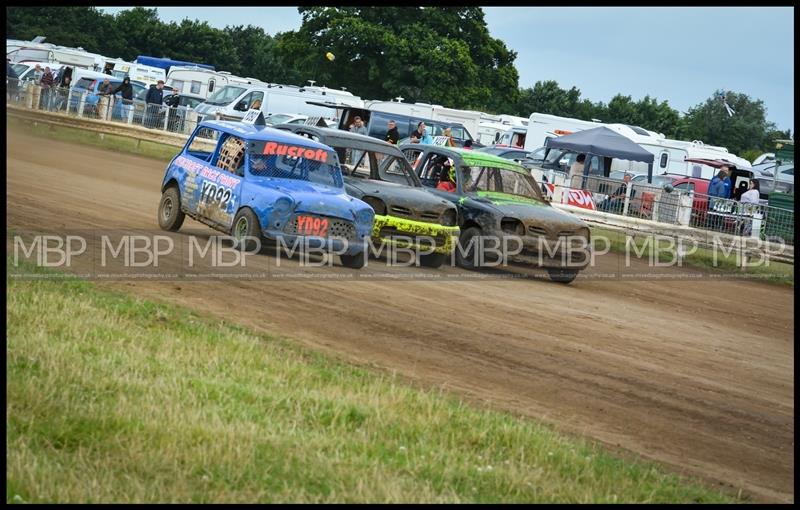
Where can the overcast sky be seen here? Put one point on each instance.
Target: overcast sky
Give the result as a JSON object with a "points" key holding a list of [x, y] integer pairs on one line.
{"points": [[679, 54]]}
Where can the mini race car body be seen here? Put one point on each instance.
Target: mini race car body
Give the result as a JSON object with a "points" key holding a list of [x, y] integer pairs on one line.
{"points": [[498, 200], [255, 181], [407, 214]]}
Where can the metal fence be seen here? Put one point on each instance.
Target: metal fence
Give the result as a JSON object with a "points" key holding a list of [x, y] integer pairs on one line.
{"points": [[674, 206], [91, 105]]}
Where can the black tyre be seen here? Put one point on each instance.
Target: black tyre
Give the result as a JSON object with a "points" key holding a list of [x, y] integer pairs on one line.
{"points": [[170, 215], [356, 261], [245, 230], [466, 259], [562, 275], [434, 260]]}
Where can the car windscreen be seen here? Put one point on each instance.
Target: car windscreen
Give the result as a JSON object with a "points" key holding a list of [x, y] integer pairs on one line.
{"points": [[225, 95], [500, 180], [85, 83], [296, 162]]}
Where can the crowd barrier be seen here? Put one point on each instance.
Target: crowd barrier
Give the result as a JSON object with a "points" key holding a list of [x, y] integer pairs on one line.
{"points": [[667, 205]]}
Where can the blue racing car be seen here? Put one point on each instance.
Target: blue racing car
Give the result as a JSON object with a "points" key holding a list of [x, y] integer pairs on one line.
{"points": [[254, 182]]}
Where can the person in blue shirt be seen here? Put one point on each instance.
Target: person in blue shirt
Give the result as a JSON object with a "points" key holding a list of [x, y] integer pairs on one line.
{"points": [[719, 187]]}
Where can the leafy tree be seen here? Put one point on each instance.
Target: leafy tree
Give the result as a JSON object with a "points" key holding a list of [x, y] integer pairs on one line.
{"points": [[432, 54], [746, 129]]}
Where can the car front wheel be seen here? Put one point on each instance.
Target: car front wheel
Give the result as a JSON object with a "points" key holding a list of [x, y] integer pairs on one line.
{"points": [[356, 261], [170, 215], [246, 230], [562, 275]]}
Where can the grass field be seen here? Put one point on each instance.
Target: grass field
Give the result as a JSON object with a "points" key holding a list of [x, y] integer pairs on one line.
{"points": [[159, 151], [116, 399], [775, 272]]}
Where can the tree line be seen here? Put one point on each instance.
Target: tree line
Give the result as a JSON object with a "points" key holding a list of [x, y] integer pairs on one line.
{"points": [[440, 55]]}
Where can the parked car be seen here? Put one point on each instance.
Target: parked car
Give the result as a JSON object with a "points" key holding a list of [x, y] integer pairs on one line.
{"points": [[178, 104], [514, 153], [406, 213], [499, 200], [259, 182], [784, 182]]}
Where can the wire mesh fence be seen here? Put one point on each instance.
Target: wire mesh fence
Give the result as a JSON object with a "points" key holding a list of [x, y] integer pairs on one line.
{"points": [[94, 105], [665, 204]]}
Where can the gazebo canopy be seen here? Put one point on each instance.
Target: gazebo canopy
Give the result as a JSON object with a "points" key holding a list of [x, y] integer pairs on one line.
{"points": [[601, 141]]}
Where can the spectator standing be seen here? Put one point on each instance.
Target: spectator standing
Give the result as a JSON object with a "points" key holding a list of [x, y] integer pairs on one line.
{"points": [[37, 73], [717, 190], [106, 87], [47, 82], [11, 80], [392, 135], [576, 170], [359, 128], [753, 194], [126, 90], [154, 100], [418, 133], [448, 133]]}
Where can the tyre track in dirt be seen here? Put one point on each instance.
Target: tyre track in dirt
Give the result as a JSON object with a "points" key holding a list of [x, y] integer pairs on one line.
{"points": [[658, 368]]}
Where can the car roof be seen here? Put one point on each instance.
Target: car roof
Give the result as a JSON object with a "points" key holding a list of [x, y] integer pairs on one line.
{"points": [[354, 140], [473, 157], [251, 132]]}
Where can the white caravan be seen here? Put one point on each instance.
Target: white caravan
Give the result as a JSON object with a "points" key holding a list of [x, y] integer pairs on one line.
{"points": [[232, 102], [492, 128], [45, 52], [202, 81], [669, 155]]}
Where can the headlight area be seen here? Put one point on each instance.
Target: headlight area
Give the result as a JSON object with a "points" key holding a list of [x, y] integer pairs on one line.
{"points": [[281, 210], [449, 218], [512, 226], [364, 219], [377, 205]]}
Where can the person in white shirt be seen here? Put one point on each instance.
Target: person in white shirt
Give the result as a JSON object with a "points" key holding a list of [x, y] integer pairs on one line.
{"points": [[752, 195], [576, 170]]}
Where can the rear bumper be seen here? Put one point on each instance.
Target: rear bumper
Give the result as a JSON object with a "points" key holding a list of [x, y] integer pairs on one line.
{"points": [[405, 233]]}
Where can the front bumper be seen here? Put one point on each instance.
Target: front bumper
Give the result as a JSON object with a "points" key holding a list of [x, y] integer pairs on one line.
{"points": [[405, 233], [546, 253]]}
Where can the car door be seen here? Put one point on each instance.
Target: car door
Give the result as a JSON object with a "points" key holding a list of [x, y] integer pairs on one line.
{"points": [[219, 184]]}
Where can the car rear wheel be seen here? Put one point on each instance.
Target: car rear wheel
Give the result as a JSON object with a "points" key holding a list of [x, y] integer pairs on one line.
{"points": [[434, 260], [466, 259], [170, 215], [246, 230], [562, 275], [356, 261]]}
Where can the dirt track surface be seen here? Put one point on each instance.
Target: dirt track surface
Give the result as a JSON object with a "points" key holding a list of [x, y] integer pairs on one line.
{"points": [[698, 375]]}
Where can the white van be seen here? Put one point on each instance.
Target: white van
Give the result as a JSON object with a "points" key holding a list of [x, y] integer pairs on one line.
{"points": [[203, 82], [139, 72], [233, 101], [468, 118]]}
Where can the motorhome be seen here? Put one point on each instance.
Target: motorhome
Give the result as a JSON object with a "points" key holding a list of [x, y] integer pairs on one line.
{"points": [[233, 101], [203, 82]]}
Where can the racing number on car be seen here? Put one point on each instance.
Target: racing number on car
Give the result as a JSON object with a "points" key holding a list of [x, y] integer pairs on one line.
{"points": [[215, 194], [310, 226]]}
